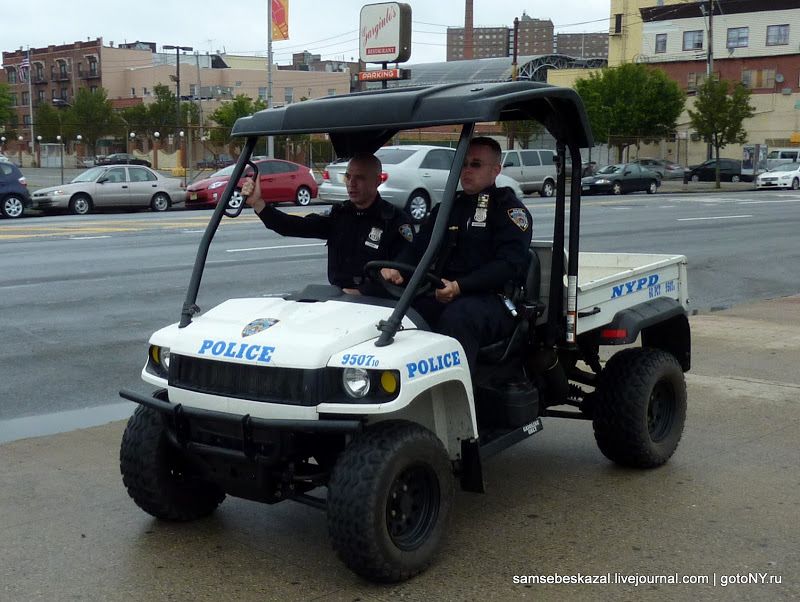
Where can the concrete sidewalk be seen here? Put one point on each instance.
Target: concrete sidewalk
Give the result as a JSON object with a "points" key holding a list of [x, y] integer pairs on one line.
{"points": [[724, 506]]}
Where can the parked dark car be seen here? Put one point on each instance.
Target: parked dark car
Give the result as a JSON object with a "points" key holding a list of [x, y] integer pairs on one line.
{"points": [[216, 162], [121, 159], [730, 170], [620, 179], [668, 170], [14, 195]]}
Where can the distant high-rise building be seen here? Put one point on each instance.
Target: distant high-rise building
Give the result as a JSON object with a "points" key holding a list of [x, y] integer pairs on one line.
{"points": [[535, 36], [582, 45]]}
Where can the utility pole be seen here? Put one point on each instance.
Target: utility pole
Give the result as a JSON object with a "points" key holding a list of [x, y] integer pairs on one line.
{"points": [[710, 56], [270, 139], [177, 50]]}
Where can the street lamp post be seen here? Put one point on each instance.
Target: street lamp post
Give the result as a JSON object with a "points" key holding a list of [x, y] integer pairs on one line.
{"points": [[61, 156], [132, 137], [182, 156], [177, 50], [19, 149], [155, 150], [2, 143], [78, 162], [39, 151]]}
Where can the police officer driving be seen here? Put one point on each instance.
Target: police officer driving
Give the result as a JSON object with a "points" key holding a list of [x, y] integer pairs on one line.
{"points": [[486, 247], [364, 228]]}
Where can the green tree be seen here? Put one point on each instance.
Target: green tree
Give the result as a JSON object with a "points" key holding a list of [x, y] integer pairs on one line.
{"points": [[47, 121], [523, 131], [719, 114], [227, 114], [6, 106], [91, 116], [630, 102]]}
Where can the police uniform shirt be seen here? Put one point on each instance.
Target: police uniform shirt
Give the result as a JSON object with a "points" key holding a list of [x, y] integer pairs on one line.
{"points": [[486, 244], [354, 236]]}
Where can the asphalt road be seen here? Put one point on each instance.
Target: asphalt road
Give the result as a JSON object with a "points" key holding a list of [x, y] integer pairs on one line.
{"points": [[80, 296]]}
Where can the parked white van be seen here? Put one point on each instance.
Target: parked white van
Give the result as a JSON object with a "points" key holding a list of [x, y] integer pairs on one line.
{"points": [[534, 169], [777, 156]]}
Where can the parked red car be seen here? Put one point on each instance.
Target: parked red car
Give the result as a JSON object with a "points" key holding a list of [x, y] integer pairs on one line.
{"points": [[281, 181]]}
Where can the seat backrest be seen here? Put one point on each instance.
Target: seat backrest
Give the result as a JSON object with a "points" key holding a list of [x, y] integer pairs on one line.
{"points": [[543, 249]]}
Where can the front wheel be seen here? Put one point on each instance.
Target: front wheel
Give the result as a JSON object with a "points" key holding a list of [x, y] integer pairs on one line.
{"points": [[616, 188], [12, 206], [160, 202], [158, 477], [695, 178], [80, 204], [640, 409], [303, 196], [418, 206], [389, 500]]}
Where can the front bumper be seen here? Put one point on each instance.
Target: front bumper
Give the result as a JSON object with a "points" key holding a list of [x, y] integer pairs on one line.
{"points": [[49, 202]]}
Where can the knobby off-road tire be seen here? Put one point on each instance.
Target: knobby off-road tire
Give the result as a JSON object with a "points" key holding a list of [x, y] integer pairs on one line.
{"points": [[389, 500], [640, 408], [155, 474]]}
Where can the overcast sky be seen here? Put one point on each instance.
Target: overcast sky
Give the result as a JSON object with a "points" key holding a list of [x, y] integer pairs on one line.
{"points": [[326, 27]]}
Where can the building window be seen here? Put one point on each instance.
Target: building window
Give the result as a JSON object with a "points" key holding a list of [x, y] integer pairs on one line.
{"points": [[288, 95], [25, 98], [80, 69], [13, 100], [693, 40], [661, 43], [262, 93], [738, 37], [92, 89], [618, 23], [695, 80], [52, 72], [752, 78], [39, 72], [26, 120], [133, 92], [40, 96], [331, 91], [145, 92], [777, 35], [12, 76], [62, 70], [63, 94], [54, 93], [92, 66]]}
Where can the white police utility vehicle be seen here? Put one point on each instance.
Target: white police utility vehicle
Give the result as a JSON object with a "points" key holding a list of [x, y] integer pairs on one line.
{"points": [[355, 406]]}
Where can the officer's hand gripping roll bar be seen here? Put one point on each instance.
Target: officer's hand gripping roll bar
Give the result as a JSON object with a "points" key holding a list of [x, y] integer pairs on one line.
{"points": [[235, 210]]}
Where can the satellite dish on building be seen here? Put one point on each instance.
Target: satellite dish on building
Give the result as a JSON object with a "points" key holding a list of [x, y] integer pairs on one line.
{"points": [[779, 78]]}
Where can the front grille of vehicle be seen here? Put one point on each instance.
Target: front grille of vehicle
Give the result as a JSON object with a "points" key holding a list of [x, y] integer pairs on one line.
{"points": [[257, 383]]}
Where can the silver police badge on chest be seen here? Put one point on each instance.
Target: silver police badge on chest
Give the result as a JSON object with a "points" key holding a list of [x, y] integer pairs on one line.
{"points": [[374, 238], [481, 211]]}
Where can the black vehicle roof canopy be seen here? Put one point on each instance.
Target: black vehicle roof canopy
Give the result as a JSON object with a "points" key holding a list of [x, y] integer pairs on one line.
{"points": [[363, 122]]}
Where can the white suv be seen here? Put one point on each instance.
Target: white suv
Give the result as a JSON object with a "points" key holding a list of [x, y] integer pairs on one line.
{"points": [[534, 170]]}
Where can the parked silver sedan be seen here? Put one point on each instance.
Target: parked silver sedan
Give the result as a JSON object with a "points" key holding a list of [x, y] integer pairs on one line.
{"points": [[414, 177], [113, 186]]}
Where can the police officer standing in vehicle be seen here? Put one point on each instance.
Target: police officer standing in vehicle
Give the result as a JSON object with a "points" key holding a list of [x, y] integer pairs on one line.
{"points": [[362, 229], [485, 248]]}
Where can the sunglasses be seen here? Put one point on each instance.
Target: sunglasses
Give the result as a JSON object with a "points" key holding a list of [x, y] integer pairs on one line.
{"points": [[474, 164]]}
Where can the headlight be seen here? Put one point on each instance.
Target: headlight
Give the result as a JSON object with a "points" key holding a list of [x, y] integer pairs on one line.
{"points": [[602, 181], [786, 177], [356, 382], [58, 193], [216, 185], [158, 361]]}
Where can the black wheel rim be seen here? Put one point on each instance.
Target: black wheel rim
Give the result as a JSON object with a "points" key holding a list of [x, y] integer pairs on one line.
{"points": [[661, 411], [412, 507]]}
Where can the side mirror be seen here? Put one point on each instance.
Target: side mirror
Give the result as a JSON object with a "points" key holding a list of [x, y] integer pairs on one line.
{"points": [[102, 180], [627, 173], [508, 164]]}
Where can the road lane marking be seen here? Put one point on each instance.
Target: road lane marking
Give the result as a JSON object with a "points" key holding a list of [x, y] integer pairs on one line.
{"points": [[313, 244], [766, 202], [88, 237], [696, 219]]}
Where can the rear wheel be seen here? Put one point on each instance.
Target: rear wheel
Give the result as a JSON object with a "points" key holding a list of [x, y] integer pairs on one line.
{"points": [[639, 411], [13, 206], [80, 204], [157, 476], [303, 196], [735, 178], [418, 205], [652, 187], [548, 189], [795, 184], [160, 202], [389, 500]]}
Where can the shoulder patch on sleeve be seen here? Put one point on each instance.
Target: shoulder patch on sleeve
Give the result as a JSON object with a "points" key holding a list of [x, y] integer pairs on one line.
{"points": [[407, 232], [520, 218]]}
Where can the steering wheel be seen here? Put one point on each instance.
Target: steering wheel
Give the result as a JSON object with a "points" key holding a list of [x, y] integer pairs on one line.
{"points": [[373, 270], [235, 202]]}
